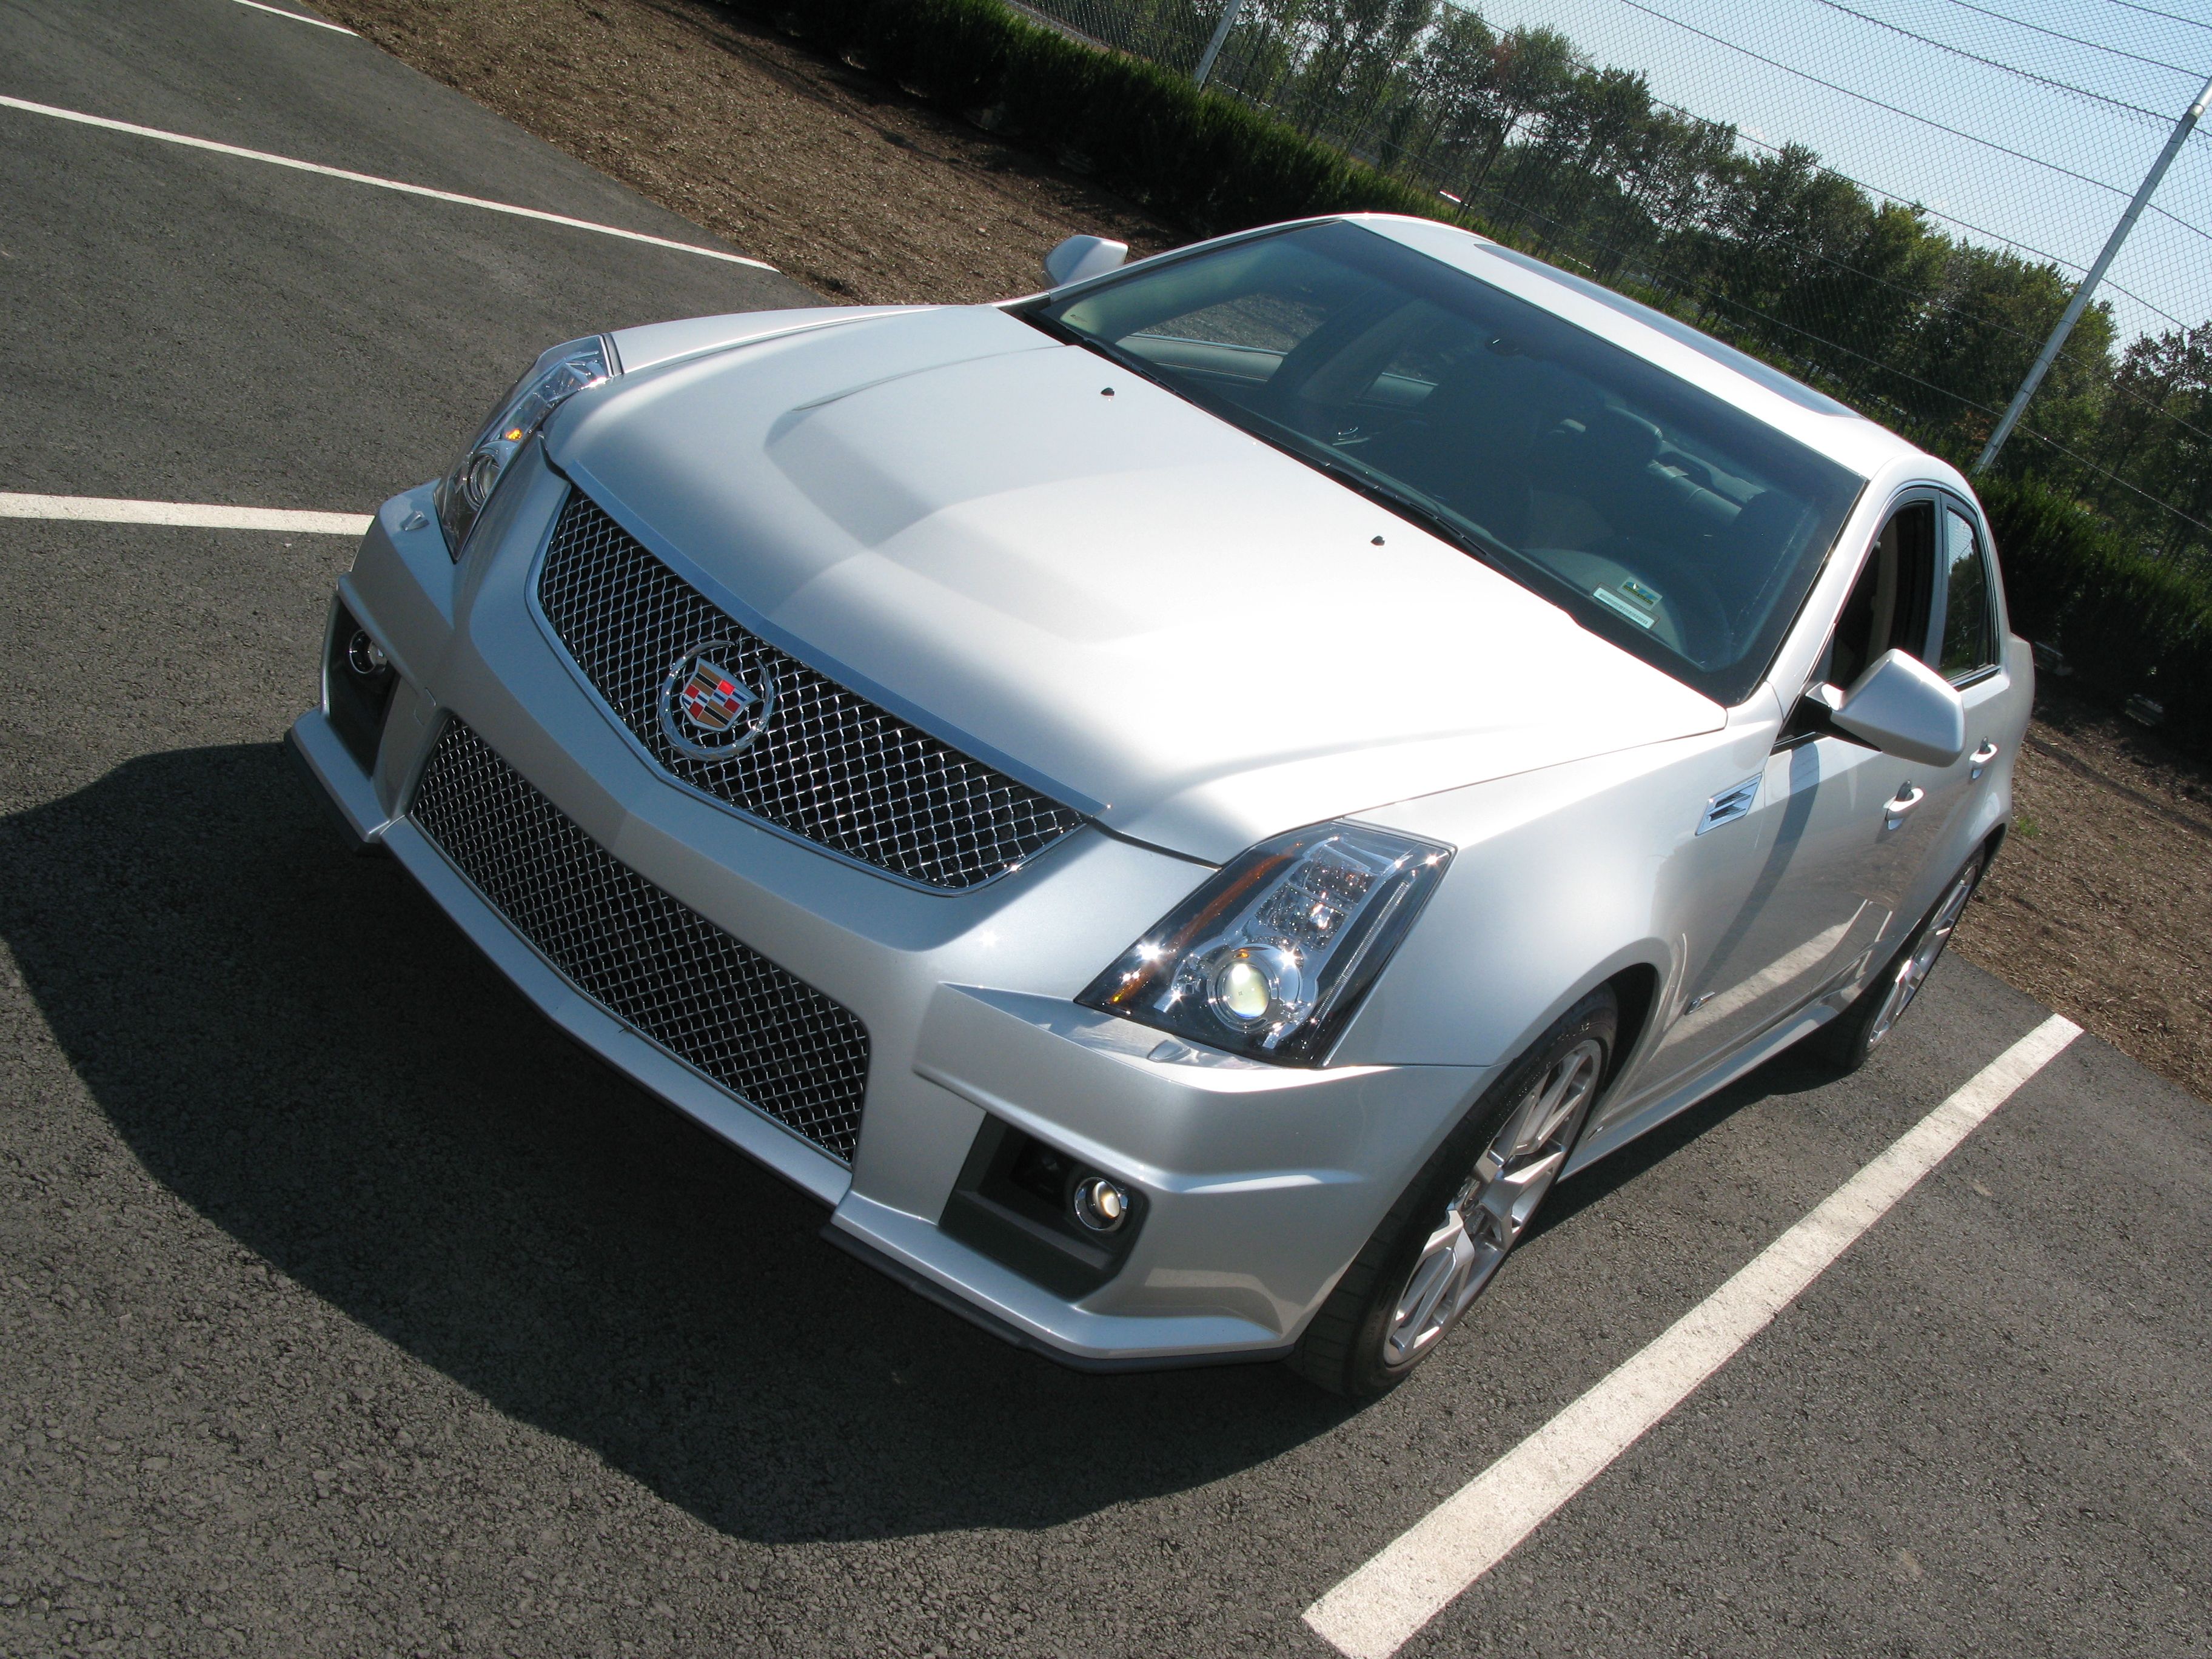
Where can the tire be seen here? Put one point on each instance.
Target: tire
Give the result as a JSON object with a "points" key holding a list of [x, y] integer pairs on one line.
{"points": [[1444, 1239], [1845, 1043]]}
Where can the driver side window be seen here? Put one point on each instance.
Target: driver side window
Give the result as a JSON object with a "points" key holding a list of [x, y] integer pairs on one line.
{"points": [[1890, 606]]}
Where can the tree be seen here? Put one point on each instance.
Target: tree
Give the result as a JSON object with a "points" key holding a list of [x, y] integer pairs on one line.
{"points": [[2154, 443], [1768, 249], [1451, 78]]}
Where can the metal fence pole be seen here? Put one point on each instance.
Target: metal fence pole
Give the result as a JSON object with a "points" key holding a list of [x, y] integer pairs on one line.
{"points": [[2080, 300], [1229, 15]]}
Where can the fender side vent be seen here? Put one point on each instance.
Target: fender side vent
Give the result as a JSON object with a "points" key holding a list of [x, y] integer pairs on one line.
{"points": [[1730, 805]]}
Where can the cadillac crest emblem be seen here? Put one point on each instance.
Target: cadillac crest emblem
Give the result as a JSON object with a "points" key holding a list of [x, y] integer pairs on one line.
{"points": [[711, 709]]}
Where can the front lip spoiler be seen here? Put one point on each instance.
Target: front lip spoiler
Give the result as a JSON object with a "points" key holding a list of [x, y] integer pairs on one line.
{"points": [[344, 790], [1014, 1336]]}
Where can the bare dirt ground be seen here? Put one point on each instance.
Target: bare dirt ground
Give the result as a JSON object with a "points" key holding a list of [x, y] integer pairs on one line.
{"points": [[833, 177], [2101, 902], [2101, 905]]}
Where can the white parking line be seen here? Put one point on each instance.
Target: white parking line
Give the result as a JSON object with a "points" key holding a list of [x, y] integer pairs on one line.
{"points": [[1373, 1612], [100, 509], [400, 186], [279, 11]]}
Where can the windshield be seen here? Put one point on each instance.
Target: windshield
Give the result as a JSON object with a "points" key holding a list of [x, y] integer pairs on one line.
{"points": [[1667, 520]]}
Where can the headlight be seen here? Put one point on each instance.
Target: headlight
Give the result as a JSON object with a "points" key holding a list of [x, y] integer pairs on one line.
{"points": [[554, 379], [1270, 957]]}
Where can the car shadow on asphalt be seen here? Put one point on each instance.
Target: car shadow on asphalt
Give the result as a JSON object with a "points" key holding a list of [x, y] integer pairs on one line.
{"points": [[300, 1045]]}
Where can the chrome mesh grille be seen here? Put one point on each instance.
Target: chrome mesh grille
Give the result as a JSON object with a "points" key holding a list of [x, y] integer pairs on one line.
{"points": [[651, 961], [828, 765]]}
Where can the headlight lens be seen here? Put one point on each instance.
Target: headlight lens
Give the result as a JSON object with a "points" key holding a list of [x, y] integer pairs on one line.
{"points": [[1270, 957], [554, 379]]}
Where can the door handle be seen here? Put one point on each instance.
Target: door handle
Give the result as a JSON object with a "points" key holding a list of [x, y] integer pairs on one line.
{"points": [[1981, 758], [1908, 796]]}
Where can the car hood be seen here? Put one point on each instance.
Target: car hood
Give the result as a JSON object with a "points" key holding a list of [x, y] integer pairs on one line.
{"points": [[1071, 573]]}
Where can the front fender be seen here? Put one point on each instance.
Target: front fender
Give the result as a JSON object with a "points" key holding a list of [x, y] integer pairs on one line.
{"points": [[1563, 878]]}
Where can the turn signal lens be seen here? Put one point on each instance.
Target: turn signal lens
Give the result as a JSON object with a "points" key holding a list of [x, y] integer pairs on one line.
{"points": [[555, 378]]}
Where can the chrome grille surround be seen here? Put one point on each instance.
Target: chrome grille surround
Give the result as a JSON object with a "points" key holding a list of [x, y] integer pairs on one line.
{"points": [[829, 766], [659, 966]]}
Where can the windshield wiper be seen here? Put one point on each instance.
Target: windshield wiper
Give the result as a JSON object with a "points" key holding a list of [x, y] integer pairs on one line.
{"points": [[1432, 516], [1045, 323], [1471, 538]]}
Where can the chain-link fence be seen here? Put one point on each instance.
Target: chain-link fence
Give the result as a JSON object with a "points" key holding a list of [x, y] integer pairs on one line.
{"points": [[1993, 145]]}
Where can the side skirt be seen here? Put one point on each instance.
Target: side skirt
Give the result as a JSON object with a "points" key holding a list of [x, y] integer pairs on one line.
{"points": [[1747, 1059]]}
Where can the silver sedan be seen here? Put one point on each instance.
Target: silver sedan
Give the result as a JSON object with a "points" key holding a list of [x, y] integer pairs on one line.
{"points": [[1182, 805]]}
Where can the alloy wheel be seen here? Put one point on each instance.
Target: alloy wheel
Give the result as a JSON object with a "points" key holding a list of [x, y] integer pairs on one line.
{"points": [[1493, 1206], [1912, 973]]}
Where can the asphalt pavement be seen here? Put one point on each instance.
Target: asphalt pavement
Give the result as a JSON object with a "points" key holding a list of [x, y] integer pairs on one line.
{"points": [[345, 1308]]}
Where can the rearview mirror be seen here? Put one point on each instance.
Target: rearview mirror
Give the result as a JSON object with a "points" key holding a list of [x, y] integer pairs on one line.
{"points": [[1904, 708], [1082, 257]]}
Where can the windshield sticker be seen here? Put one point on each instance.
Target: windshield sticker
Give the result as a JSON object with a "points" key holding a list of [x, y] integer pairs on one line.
{"points": [[1642, 595], [1606, 597]]}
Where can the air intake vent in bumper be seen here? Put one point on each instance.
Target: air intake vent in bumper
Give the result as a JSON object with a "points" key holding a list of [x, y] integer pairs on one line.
{"points": [[783, 1046]]}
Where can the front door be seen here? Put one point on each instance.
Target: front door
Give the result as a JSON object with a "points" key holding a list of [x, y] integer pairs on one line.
{"points": [[1968, 633], [1837, 830]]}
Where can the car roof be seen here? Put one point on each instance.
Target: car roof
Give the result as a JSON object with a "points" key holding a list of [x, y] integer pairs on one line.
{"points": [[1809, 415]]}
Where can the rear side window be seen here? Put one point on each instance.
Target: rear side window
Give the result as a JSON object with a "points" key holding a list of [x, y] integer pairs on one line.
{"points": [[1969, 629]]}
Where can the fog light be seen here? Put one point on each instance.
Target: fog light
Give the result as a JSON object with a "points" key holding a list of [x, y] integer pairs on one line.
{"points": [[364, 655], [1099, 1204]]}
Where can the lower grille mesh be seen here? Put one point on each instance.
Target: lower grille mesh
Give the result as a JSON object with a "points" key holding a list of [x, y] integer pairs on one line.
{"points": [[648, 960]]}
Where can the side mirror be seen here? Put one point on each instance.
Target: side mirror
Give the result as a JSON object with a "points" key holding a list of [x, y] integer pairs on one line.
{"points": [[1904, 708], [1082, 257]]}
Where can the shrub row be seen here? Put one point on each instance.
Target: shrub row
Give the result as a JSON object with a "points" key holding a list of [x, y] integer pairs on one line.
{"points": [[2129, 624], [1204, 161]]}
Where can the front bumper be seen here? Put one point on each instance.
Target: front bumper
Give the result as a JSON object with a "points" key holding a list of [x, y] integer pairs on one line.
{"points": [[1258, 1184]]}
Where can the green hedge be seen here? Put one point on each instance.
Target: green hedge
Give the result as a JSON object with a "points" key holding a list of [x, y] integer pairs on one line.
{"points": [[1206, 162], [2128, 624]]}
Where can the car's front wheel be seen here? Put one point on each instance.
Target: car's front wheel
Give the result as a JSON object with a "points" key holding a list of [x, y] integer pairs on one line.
{"points": [[1446, 1236]]}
